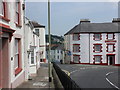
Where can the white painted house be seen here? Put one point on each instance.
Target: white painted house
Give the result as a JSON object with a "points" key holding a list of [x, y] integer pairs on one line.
{"points": [[93, 43], [57, 53], [12, 69], [40, 30], [33, 35]]}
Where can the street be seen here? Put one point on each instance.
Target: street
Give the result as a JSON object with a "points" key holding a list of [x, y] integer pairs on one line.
{"points": [[93, 76]]}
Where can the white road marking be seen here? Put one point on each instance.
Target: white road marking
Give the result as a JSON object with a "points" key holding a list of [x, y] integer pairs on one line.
{"points": [[110, 81], [39, 84]]}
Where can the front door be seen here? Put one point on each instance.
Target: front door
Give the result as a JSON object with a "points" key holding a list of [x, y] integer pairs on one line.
{"points": [[4, 63], [111, 59]]}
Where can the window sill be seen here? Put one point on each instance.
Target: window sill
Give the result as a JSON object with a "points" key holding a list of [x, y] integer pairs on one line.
{"points": [[110, 40], [76, 40], [96, 52], [97, 40], [110, 51], [4, 18], [18, 25], [17, 71]]}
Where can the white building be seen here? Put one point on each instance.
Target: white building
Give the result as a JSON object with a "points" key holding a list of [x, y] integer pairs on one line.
{"points": [[40, 29], [57, 53], [93, 43], [12, 69], [33, 35]]}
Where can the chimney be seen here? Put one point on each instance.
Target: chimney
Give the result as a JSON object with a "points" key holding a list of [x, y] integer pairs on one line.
{"points": [[116, 20], [84, 21]]}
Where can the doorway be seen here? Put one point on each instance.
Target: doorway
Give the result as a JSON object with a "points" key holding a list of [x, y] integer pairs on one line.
{"points": [[111, 59], [4, 63]]}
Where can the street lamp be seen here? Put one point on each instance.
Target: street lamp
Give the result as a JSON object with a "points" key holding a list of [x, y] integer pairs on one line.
{"points": [[49, 54]]}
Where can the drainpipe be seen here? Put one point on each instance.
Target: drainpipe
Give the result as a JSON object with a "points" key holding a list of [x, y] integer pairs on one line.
{"points": [[24, 37], [89, 47]]}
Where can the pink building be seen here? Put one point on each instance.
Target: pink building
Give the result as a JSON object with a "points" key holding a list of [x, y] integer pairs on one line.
{"points": [[11, 43]]}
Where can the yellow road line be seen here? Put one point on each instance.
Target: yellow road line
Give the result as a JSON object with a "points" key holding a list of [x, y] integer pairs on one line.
{"points": [[67, 72]]}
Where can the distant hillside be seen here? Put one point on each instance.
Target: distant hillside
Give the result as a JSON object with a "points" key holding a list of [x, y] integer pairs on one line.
{"points": [[55, 39]]}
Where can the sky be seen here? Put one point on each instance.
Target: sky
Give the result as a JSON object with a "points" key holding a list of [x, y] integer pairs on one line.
{"points": [[65, 15]]}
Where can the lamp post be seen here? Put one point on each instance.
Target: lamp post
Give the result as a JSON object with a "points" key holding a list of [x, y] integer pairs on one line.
{"points": [[49, 54]]}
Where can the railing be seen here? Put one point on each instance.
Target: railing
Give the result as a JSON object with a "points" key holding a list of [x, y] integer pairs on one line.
{"points": [[66, 81]]}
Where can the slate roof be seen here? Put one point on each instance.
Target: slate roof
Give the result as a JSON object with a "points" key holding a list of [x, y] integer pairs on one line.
{"points": [[95, 27], [58, 47], [37, 25]]}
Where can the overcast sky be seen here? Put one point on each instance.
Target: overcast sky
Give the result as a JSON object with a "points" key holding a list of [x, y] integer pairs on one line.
{"points": [[65, 15]]}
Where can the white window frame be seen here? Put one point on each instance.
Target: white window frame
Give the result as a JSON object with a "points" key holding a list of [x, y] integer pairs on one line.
{"points": [[16, 60], [2, 8], [97, 61]]}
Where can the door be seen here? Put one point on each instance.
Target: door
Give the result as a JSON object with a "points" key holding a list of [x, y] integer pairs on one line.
{"points": [[111, 59], [4, 64]]}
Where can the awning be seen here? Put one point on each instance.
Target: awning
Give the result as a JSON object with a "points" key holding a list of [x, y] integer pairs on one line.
{"points": [[6, 29]]}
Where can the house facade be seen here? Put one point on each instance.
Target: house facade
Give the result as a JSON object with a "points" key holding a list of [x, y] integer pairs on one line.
{"points": [[93, 43], [32, 47], [57, 53], [11, 42], [40, 30]]}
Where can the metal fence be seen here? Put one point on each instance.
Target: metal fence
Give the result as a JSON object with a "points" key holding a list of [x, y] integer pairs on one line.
{"points": [[66, 81]]}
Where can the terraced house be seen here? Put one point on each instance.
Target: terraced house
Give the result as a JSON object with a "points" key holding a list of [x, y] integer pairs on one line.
{"points": [[93, 43], [11, 43]]}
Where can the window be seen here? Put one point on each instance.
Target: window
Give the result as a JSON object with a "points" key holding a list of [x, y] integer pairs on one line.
{"points": [[58, 57], [110, 36], [18, 12], [97, 36], [37, 31], [76, 47], [61, 52], [4, 10], [110, 48], [97, 48], [17, 57], [32, 57], [76, 36], [57, 51], [97, 58], [16, 54], [76, 58]]}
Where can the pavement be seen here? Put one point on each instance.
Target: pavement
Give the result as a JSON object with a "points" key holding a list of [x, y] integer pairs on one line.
{"points": [[93, 76], [39, 81]]}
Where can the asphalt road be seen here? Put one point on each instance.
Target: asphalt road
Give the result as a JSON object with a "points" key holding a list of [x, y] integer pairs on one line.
{"points": [[93, 76]]}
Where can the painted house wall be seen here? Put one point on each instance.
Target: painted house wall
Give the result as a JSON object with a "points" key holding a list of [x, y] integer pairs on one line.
{"points": [[85, 55], [119, 48], [42, 43], [32, 41], [14, 81], [19, 33]]}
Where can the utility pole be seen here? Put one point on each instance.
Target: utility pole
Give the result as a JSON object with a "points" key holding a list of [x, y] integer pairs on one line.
{"points": [[49, 54]]}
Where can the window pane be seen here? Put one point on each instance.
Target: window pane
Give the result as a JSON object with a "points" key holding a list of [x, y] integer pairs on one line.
{"points": [[16, 61], [97, 47], [16, 54], [97, 59], [32, 57], [110, 48], [1, 8], [16, 46], [17, 17], [17, 6], [97, 36], [110, 36], [76, 59], [76, 48], [32, 60], [75, 36]]}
